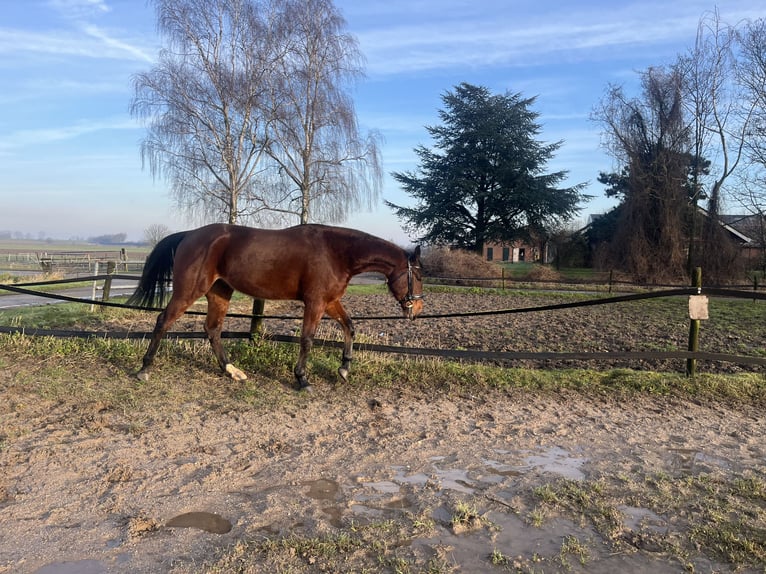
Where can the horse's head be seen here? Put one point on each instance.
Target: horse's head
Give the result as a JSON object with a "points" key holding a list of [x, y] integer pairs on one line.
{"points": [[407, 285]]}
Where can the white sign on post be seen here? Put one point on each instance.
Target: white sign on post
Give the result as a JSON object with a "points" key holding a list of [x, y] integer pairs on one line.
{"points": [[698, 307]]}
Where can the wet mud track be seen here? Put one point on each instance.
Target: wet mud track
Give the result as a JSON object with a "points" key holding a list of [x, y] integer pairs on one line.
{"points": [[183, 493]]}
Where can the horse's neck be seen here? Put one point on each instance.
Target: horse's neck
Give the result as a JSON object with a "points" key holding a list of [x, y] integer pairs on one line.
{"points": [[376, 255]]}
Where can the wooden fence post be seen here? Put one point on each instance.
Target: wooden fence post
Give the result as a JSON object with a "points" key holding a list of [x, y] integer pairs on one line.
{"points": [[93, 293], [256, 323], [694, 328], [111, 266]]}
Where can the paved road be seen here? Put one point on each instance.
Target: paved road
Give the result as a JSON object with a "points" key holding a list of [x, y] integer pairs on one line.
{"points": [[10, 300]]}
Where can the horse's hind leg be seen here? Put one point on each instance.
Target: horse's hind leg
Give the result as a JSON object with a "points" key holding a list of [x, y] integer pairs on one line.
{"points": [[165, 320], [337, 312], [217, 304]]}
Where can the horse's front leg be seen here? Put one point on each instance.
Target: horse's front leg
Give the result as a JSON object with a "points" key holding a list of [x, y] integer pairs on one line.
{"points": [[312, 313], [337, 312], [217, 304]]}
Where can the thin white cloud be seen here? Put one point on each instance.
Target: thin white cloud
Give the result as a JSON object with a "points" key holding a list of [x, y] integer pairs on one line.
{"points": [[413, 49], [37, 137], [506, 35], [74, 34], [118, 45], [58, 43], [80, 8]]}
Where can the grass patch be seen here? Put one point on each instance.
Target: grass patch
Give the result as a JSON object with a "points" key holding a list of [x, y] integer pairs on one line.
{"points": [[723, 517], [373, 543], [62, 368]]}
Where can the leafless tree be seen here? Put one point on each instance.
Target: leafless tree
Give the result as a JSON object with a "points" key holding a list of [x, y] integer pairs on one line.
{"points": [[322, 160], [650, 138], [202, 102], [155, 232], [752, 77], [248, 112], [722, 118]]}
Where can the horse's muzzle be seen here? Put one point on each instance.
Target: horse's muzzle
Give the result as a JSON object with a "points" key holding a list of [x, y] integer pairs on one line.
{"points": [[412, 308]]}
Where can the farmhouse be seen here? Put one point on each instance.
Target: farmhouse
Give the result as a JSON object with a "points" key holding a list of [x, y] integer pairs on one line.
{"points": [[512, 252]]}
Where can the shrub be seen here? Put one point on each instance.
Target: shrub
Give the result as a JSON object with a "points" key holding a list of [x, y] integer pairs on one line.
{"points": [[543, 273], [458, 264]]}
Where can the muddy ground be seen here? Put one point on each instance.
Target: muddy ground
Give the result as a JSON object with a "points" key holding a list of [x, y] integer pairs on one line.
{"points": [[90, 490]]}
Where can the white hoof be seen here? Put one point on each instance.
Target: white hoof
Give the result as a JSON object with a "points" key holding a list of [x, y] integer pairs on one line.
{"points": [[235, 373]]}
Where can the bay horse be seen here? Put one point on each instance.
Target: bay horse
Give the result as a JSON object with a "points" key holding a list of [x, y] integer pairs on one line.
{"points": [[308, 263]]}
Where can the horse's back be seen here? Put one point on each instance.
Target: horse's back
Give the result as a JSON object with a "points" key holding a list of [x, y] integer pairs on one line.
{"points": [[269, 263]]}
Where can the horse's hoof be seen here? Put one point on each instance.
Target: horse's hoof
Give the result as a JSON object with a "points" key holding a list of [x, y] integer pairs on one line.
{"points": [[343, 374], [302, 384], [235, 373], [142, 376], [303, 387]]}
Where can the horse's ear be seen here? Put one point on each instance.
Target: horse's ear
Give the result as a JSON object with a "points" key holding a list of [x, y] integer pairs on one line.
{"points": [[416, 254]]}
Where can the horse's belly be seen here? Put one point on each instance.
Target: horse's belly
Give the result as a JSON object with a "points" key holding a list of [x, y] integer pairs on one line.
{"points": [[272, 290]]}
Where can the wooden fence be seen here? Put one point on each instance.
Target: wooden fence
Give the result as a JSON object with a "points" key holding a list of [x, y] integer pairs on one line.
{"points": [[70, 263], [697, 307]]}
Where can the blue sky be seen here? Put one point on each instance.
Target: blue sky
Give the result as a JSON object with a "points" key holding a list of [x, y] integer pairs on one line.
{"points": [[69, 149]]}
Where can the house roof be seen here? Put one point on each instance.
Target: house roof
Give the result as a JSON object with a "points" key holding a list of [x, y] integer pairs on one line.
{"points": [[740, 226], [733, 224]]}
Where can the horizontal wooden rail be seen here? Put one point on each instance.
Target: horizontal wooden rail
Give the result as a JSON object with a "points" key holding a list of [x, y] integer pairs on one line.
{"points": [[470, 355], [463, 354]]}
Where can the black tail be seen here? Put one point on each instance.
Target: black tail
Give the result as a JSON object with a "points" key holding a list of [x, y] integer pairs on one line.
{"points": [[158, 270]]}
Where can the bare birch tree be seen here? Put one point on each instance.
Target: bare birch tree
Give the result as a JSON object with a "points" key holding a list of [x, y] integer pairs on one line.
{"points": [[203, 102], [327, 167], [249, 115]]}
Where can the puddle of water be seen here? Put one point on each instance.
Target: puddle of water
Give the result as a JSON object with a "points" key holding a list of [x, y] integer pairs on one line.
{"points": [[75, 567], [637, 518], [325, 489], [366, 511], [502, 469], [449, 479], [689, 458], [383, 486], [203, 520], [510, 535], [456, 479], [322, 489], [556, 460], [711, 460], [390, 509], [399, 503], [401, 477], [334, 514]]}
